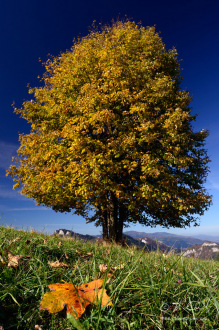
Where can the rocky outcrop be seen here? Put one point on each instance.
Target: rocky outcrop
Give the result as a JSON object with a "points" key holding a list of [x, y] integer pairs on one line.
{"points": [[72, 234], [63, 232], [153, 245], [208, 250]]}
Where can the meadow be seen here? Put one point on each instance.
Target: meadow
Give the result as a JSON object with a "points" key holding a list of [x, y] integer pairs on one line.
{"points": [[148, 290]]}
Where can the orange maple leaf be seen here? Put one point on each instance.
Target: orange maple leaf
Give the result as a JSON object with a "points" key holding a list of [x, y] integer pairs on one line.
{"points": [[75, 299]]}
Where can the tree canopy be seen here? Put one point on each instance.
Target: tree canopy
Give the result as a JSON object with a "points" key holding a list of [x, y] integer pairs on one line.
{"points": [[112, 136]]}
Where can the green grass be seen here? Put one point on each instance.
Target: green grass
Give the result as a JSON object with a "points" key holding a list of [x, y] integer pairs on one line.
{"points": [[152, 291]]}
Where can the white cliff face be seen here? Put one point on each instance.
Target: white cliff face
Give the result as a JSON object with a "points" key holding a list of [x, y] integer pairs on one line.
{"points": [[209, 244], [189, 253], [144, 241], [206, 250], [63, 232]]}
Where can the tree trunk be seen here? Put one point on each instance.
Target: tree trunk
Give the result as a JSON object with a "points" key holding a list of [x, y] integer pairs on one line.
{"points": [[105, 227], [120, 223], [112, 217], [113, 220]]}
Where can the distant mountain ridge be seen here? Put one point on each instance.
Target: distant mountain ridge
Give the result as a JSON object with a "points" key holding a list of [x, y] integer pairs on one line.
{"points": [[205, 237], [147, 244], [204, 250], [171, 240]]}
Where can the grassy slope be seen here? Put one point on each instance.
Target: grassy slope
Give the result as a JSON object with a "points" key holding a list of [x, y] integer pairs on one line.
{"points": [[152, 291]]}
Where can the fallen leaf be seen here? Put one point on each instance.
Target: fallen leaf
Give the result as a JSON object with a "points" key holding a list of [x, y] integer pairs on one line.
{"points": [[14, 261], [37, 327], [75, 299], [66, 256], [57, 264], [103, 268], [121, 266], [3, 263], [88, 254]]}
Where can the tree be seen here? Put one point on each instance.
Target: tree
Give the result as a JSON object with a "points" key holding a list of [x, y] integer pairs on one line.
{"points": [[112, 137]]}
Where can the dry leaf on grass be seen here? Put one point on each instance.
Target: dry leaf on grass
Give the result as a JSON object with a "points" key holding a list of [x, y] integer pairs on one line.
{"points": [[75, 299], [14, 261], [2, 262], [82, 255], [59, 244], [37, 327], [103, 268], [57, 264]]}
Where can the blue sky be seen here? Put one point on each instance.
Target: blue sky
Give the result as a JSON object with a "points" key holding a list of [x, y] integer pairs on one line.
{"points": [[30, 30]]}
